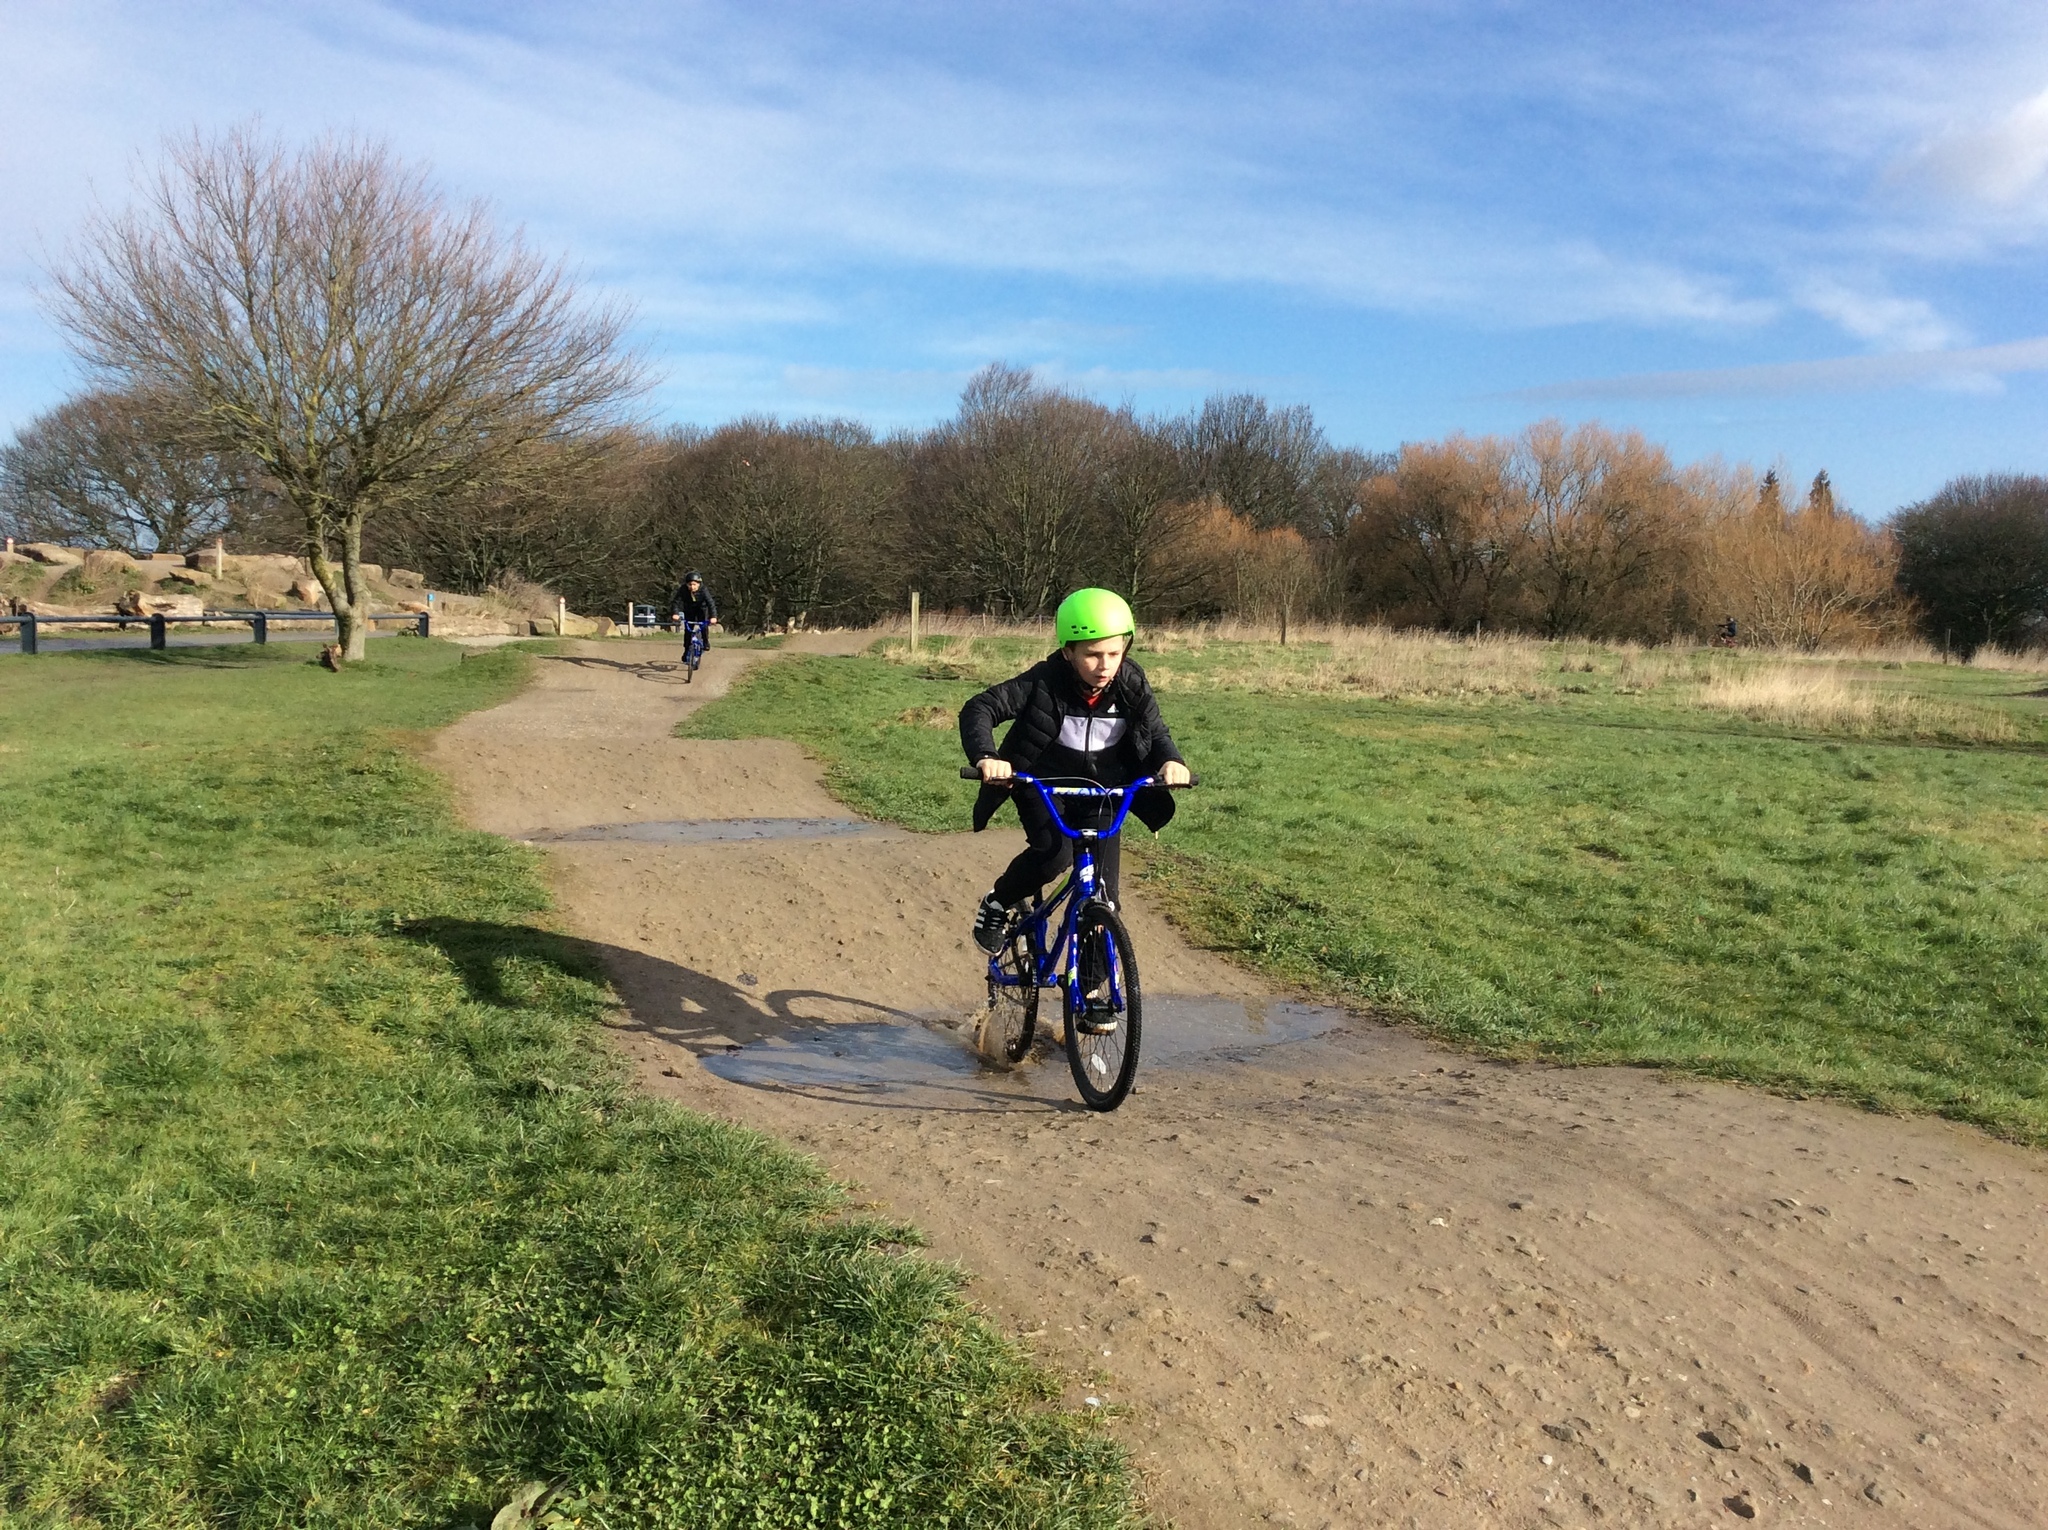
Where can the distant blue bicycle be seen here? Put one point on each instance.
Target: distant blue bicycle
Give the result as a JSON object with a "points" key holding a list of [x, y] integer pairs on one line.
{"points": [[1089, 959], [695, 636]]}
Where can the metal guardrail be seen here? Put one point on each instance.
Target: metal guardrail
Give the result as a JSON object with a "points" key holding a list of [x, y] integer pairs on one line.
{"points": [[159, 625]]}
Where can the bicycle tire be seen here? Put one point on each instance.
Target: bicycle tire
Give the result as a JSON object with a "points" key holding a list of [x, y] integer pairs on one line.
{"points": [[1104, 1065], [1015, 1009]]}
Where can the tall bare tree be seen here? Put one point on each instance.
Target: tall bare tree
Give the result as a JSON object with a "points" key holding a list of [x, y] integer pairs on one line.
{"points": [[1258, 460], [1007, 490], [114, 470], [1144, 521], [570, 520], [783, 518], [1605, 523], [1975, 557], [1810, 577], [331, 317], [1443, 539]]}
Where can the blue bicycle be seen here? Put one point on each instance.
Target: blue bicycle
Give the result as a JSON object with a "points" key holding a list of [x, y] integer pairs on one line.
{"points": [[1073, 940], [695, 636]]}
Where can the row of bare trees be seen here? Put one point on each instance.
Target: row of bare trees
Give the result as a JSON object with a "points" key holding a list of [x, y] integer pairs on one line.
{"points": [[318, 351], [1587, 531]]}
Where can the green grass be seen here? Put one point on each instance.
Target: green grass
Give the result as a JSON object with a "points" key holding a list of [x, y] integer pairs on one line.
{"points": [[326, 1204], [1598, 875]]}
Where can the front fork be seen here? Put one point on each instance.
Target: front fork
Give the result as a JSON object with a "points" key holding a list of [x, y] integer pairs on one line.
{"points": [[1087, 890]]}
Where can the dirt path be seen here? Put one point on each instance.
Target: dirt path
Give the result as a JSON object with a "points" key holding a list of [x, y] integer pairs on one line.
{"points": [[1355, 1280]]}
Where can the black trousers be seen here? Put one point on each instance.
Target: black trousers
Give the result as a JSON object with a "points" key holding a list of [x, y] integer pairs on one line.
{"points": [[1049, 853]]}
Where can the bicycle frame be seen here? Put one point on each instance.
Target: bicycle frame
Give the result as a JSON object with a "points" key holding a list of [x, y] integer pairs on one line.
{"points": [[1057, 965], [696, 638]]}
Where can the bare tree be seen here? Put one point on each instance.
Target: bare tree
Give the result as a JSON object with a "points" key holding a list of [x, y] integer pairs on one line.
{"points": [[1007, 490], [1975, 557], [1603, 527], [1336, 490], [114, 470], [782, 517], [1140, 543], [570, 520], [332, 318], [1443, 539], [1258, 460], [1809, 578]]}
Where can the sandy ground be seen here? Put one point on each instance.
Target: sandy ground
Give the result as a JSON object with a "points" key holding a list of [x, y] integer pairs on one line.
{"points": [[1357, 1280]]}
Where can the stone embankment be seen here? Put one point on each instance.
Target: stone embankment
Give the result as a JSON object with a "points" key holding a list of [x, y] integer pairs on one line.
{"points": [[45, 579]]}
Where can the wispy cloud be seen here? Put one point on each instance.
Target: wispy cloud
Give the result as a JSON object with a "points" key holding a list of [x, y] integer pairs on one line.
{"points": [[1888, 323], [1965, 370], [2000, 163]]}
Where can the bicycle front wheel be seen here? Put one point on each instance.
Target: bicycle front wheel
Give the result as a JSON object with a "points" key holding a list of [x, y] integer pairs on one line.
{"points": [[1103, 1029]]}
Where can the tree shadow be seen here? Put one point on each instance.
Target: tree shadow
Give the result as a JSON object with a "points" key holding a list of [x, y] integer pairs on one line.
{"points": [[638, 669], [849, 1038]]}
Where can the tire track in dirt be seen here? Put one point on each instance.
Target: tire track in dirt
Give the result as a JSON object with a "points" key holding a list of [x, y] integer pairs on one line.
{"points": [[1359, 1280]]}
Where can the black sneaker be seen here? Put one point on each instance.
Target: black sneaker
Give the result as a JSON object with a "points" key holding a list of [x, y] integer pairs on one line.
{"points": [[1098, 1018], [989, 920]]}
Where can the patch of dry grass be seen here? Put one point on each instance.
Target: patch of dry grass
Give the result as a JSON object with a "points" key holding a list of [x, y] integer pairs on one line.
{"points": [[1847, 693], [1817, 696], [1379, 662]]}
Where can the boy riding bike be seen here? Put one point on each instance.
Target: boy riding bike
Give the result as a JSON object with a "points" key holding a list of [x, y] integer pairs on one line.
{"points": [[698, 613], [1082, 713]]}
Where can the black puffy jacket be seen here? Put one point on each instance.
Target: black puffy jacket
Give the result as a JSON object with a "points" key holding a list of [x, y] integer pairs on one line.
{"points": [[1038, 699]]}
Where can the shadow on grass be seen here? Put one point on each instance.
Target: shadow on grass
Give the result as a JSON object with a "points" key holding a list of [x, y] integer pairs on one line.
{"points": [[703, 1015]]}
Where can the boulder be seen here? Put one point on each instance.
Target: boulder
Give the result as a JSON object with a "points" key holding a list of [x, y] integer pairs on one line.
{"points": [[406, 579], [177, 571], [541, 626], [417, 607], [467, 624], [580, 626], [106, 560], [50, 552], [282, 567], [136, 603]]}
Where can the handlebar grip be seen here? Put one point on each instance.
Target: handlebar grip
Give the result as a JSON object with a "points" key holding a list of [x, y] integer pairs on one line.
{"points": [[1193, 780], [969, 773]]}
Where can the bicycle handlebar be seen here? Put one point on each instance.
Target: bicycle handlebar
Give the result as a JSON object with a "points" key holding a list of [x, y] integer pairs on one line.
{"points": [[973, 773]]}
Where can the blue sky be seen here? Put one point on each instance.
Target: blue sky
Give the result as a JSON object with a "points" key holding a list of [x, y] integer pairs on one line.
{"points": [[1807, 235]]}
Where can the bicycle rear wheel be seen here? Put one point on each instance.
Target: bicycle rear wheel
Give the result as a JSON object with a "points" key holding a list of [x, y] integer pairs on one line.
{"points": [[1013, 1006], [1102, 1035]]}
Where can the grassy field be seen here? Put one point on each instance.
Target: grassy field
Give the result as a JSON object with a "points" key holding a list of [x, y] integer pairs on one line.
{"points": [[326, 1205], [1824, 877]]}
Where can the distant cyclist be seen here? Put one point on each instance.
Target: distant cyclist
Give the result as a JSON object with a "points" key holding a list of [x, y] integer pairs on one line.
{"points": [[1082, 713], [693, 603]]}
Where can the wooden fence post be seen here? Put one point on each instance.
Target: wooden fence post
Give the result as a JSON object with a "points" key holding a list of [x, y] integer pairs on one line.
{"points": [[913, 621]]}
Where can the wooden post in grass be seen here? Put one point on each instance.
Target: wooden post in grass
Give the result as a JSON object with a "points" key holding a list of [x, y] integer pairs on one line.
{"points": [[561, 616], [913, 621], [220, 556]]}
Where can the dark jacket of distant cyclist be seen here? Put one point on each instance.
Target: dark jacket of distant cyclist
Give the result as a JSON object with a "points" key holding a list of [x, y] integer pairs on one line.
{"points": [[1043, 699], [699, 607]]}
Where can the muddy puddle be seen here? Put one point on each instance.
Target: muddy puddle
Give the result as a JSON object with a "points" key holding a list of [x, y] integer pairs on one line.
{"points": [[705, 831], [936, 1064]]}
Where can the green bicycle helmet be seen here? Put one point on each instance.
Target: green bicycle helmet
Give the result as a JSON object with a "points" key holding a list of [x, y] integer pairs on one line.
{"points": [[1088, 615]]}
